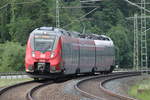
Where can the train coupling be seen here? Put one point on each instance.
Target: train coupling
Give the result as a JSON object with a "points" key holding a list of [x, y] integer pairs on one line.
{"points": [[41, 67]]}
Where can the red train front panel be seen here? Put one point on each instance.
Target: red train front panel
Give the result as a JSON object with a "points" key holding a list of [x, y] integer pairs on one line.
{"points": [[43, 53]]}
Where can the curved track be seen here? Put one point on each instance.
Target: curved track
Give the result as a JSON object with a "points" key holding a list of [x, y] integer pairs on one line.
{"points": [[30, 94], [94, 87], [18, 91], [28, 90]]}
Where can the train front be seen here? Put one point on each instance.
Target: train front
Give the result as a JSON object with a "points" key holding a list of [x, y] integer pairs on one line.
{"points": [[43, 53]]}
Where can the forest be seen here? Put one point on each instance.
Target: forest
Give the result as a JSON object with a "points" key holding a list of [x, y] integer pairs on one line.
{"points": [[110, 17]]}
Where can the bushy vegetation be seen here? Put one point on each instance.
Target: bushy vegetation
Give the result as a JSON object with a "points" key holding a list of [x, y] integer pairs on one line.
{"points": [[141, 90], [11, 57], [18, 20], [8, 82]]}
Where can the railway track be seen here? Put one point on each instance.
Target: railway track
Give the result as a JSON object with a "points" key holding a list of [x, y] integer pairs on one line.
{"points": [[27, 90], [30, 90], [94, 87], [19, 91], [30, 94]]}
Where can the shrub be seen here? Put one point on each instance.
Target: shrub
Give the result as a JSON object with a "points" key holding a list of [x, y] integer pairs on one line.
{"points": [[11, 57]]}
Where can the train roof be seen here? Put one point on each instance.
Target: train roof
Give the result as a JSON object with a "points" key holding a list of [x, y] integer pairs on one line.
{"points": [[59, 31]]}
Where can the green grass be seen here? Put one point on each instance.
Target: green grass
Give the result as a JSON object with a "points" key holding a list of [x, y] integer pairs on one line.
{"points": [[7, 82], [141, 90]]}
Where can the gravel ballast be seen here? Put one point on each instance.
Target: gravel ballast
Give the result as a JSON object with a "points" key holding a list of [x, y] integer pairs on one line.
{"points": [[59, 91], [122, 86]]}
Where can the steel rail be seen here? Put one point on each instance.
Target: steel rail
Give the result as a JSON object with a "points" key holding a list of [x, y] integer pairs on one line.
{"points": [[122, 97], [29, 95], [3, 90], [82, 92]]}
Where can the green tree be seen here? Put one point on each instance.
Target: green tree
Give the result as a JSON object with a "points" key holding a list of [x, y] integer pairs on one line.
{"points": [[119, 36], [21, 29], [11, 57], [18, 20]]}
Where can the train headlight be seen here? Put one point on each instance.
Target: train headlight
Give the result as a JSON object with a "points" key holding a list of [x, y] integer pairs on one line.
{"points": [[33, 54], [52, 55]]}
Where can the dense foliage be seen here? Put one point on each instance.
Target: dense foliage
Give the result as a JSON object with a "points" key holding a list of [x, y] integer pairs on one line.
{"points": [[12, 57], [19, 17]]}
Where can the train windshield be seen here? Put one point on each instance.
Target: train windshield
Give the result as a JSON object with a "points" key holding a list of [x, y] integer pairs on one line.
{"points": [[44, 42]]}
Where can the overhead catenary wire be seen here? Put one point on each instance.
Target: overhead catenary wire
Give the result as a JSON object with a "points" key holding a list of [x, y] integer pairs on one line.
{"points": [[139, 17], [19, 3], [81, 17], [84, 1], [143, 36], [78, 7], [134, 4], [26, 2], [4, 6]]}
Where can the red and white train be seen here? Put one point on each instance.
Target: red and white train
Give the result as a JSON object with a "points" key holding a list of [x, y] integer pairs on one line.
{"points": [[53, 52]]}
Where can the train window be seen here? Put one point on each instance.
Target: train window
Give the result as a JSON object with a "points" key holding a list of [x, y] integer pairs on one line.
{"points": [[43, 42]]}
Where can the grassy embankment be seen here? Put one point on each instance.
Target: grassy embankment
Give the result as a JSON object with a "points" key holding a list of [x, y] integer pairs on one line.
{"points": [[141, 90], [7, 82]]}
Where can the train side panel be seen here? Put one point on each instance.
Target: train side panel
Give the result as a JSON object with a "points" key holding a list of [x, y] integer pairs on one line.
{"points": [[70, 54], [87, 55], [104, 55], [29, 61]]}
